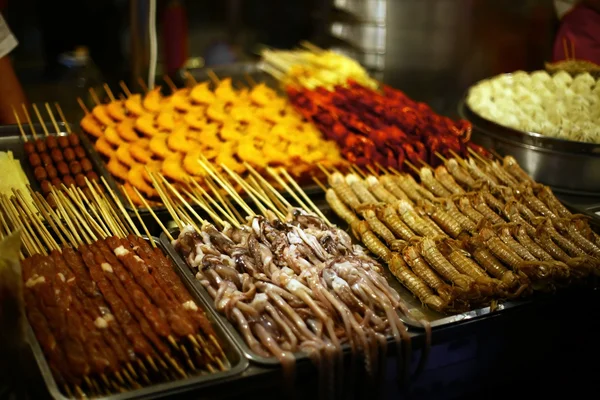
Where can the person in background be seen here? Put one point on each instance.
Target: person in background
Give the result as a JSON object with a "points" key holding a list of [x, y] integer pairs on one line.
{"points": [[579, 31], [11, 92]]}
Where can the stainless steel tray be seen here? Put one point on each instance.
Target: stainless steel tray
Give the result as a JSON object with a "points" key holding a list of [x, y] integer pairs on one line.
{"points": [[417, 310], [567, 166], [237, 361]]}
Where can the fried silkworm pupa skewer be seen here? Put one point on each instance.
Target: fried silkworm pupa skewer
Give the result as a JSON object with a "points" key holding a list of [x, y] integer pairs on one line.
{"points": [[420, 268], [368, 213], [343, 190]]}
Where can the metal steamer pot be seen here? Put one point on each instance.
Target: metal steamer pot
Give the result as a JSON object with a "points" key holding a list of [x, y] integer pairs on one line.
{"points": [[568, 167]]}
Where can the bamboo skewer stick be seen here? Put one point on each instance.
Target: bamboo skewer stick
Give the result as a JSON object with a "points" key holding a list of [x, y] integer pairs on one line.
{"points": [[92, 223], [28, 117], [273, 201], [137, 214], [125, 88], [250, 190], [320, 184], [228, 188], [142, 85], [267, 185], [303, 195], [183, 201], [325, 171], [109, 92], [189, 78], [247, 189], [93, 210], [280, 181], [165, 199], [83, 106], [39, 116], [224, 200], [441, 157], [204, 194], [162, 226], [213, 77], [62, 117], [50, 220], [121, 208], [94, 96], [16, 114], [412, 166], [53, 217], [206, 208], [170, 83], [51, 115]]}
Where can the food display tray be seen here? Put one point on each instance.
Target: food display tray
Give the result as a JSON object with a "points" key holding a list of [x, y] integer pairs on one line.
{"points": [[237, 362], [11, 140], [417, 310], [238, 72], [568, 167]]}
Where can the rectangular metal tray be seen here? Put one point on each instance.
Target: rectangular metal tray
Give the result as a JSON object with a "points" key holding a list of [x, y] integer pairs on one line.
{"points": [[10, 139], [186, 271], [415, 307], [237, 361]]}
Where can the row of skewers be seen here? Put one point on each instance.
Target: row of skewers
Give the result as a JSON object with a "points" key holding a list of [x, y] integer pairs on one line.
{"points": [[288, 279], [55, 158], [107, 307], [369, 121], [471, 233], [226, 125]]}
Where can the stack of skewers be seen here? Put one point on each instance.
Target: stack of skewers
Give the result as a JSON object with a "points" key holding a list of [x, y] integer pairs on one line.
{"points": [[106, 306], [288, 279], [230, 126], [471, 233], [370, 122]]}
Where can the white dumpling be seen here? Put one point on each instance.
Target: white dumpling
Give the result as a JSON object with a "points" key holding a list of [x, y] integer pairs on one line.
{"points": [[562, 77], [540, 76], [521, 77], [580, 87], [584, 79]]}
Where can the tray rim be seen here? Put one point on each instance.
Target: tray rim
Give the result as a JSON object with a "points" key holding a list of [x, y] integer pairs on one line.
{"points": [[155, 390]]}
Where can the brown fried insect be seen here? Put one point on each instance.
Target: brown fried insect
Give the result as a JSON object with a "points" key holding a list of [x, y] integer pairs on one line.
{"points": [[390, 217], [446, 179], [415, 284], [511, 212], [412, 189], [479, 174], [390, 184], [491, 264], [362, 230], [467, 209], [360, 189], [379, 191], [420, 268], [546, 195], [464, 221], [513, 168], [535, 204], [443, 219], [463, 262], [436, 259], [339, 208], [563, 242], [414, 221], [535, 269], [505, 234], [344, 192], [432, 184], [461, 175], [580, 266], [368, 213]]}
